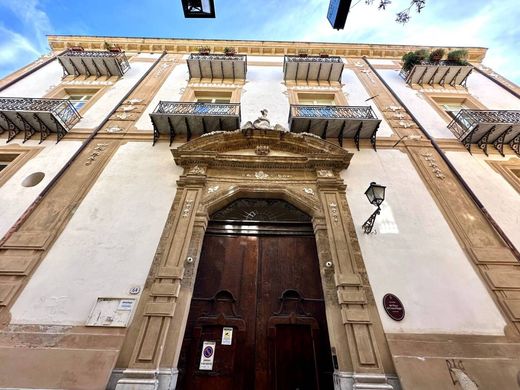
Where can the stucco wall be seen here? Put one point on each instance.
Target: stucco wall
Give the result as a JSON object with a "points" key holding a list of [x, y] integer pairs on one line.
{"points": [[38, 83], [496, 194], [15, 198], [414, 253], [171, 90], [97, 112], [416, 103], [108, 245], [357, 95], [490, 94], [264, 89]]}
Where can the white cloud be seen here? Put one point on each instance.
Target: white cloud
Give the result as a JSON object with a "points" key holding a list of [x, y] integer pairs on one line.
{"points": [[13, 46]]}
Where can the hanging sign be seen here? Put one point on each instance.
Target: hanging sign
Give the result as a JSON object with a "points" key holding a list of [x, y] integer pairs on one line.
{"points": [[227, 336], [393, 307], [207, 355]]}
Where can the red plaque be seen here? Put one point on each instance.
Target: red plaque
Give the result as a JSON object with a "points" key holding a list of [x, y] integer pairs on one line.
{"points": [[393, 307]]}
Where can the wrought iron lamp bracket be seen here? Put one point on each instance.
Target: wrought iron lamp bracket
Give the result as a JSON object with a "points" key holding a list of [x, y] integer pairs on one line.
{"points": [[369, 223]]}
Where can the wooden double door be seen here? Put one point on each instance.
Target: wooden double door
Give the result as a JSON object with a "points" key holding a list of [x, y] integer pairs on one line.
{"points": [[267, 289]]}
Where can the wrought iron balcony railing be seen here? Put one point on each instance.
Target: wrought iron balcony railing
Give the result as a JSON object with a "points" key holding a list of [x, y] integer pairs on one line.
{"points": [[333, 59], [356, 122], [32, 115], [94, 62], [483, 127], [313, 68], [191, 119], [442, 73], [217, 66]]}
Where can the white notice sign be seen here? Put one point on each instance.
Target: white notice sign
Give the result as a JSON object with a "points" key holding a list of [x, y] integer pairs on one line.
{"points": [[227, 336], [207, 355]]}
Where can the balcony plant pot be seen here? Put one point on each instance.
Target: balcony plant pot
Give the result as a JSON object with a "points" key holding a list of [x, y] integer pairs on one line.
{"points": [[229, 51], [324, 55], [302, 54]]}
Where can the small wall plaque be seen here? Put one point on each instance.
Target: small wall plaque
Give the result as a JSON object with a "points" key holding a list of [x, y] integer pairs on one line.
{"points": [[112, 312], [393, 307]]}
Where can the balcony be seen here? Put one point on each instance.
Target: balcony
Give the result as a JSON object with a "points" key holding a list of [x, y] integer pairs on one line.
{"points": [[217, 66], [312, 68], [483, 127], [355, 122], [94, 62], [193, 119], [31, 116], [441, 73]]}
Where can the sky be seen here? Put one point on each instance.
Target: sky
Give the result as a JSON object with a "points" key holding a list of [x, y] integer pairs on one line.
{"points": [[494, 24]]}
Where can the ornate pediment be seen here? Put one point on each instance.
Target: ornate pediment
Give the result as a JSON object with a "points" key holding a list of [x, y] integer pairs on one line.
{"points": [[255, 148]]}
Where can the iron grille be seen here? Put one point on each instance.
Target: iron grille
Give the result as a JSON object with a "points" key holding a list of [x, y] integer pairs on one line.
{"points": [[205, 109], [217, 57], [467, 120], [332, 112], [331, 59], [120, 57], [61, 108]]}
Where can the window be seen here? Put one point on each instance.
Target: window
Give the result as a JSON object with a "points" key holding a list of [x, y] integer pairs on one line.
{"points": [[2, 165], [212, 96], [79, 97], [78, 101], [5, 159], [316, 99], [452, 109]]}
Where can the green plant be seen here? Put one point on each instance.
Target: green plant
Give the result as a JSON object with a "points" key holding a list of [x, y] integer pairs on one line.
{"points": [[458, 57], [423, 54], [436, 55], [410, 59], [204, 49], [229, 50], [413, 58]]}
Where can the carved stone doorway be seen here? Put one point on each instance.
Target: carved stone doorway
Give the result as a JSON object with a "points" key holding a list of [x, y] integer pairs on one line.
{"points": [[259, 280], [220, 168]]}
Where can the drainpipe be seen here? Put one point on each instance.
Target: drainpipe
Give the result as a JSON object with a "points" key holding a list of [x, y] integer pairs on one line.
{"points": [[62, 171], [29, 72], [452, 168]]}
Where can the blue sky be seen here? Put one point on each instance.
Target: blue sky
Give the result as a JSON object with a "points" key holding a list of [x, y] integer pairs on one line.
{"points": [[485, 23]]}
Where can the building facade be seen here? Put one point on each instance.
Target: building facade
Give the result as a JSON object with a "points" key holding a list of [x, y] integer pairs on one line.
{"points": [[179, 219]]}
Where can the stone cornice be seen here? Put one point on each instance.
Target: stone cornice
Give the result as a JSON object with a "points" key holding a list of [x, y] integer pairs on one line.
{"points": [[268, 48], [225, 149]]}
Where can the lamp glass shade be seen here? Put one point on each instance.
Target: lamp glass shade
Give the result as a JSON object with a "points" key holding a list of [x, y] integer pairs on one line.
{"points": [[375, 194]]}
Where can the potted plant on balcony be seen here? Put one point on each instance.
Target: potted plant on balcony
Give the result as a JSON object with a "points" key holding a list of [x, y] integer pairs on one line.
{"points": [[324, 53], [436, 56], [413, 58], [204, 50], [302, 53], [229, 51], [458, 57]]}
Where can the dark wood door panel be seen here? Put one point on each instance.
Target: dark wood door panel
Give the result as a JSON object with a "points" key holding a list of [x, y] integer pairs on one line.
{"points": [[268, 288]]}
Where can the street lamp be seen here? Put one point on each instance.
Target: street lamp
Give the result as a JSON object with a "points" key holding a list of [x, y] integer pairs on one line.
{"points": [[376, 195]]}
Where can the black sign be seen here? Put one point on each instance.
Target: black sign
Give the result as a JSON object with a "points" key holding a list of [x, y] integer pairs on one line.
{"points": [[393, 307], [337, 14]]}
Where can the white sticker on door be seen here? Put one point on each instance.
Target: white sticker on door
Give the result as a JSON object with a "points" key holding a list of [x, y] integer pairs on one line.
{"points": [[207, 355], [227, 336]]}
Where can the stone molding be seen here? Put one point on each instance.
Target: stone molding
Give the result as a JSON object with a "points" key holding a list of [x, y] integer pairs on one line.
{"points": [[301, 169], [184, 46]]}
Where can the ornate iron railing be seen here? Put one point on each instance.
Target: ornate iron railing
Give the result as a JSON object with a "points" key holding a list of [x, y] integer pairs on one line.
{"points": [[466, 120], [484, 127], [332, 112], [205, 109], [120, 57], [217, 57], [332, 59], [61, 108]]}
